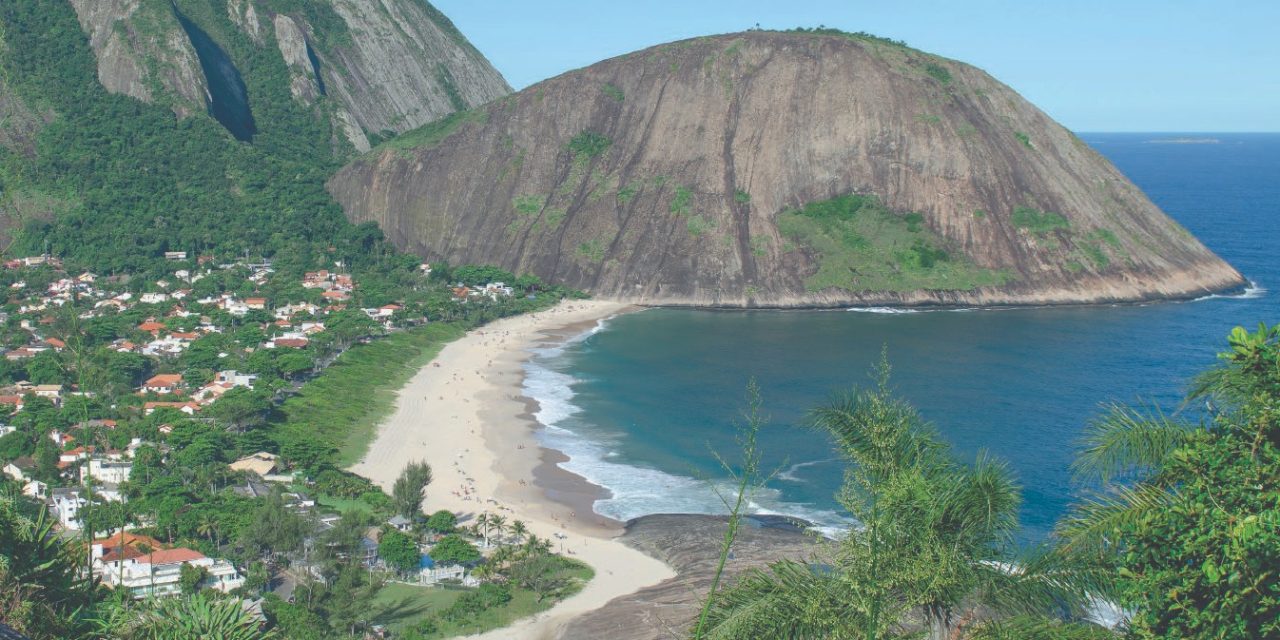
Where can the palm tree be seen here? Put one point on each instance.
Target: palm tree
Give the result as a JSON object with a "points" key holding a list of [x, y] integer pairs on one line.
{"points": [[498, 523], [482, 522], [937, 539], [208, 526], [519, 530]]}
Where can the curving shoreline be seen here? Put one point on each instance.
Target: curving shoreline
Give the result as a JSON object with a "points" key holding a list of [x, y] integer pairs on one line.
{"points": [[464, 413]]}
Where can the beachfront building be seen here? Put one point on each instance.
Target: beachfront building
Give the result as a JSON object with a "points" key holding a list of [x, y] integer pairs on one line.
{"points": [[157, 572]]}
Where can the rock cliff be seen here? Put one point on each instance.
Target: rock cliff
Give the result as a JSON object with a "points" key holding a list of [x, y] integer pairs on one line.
{"points": [[379, 67], [778, 170]]}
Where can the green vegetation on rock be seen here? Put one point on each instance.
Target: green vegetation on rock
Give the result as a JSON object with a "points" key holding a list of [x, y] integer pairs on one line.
{"points": [[860, 245], [430, 135], [613, 92], [680, 203], [588, 144], [938, 72], [1038, 222]]}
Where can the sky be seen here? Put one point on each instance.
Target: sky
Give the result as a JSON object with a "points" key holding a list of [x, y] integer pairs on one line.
{"points": [[1118, 65]]}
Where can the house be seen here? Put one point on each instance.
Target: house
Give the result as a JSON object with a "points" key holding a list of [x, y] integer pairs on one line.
{"points": [[164, 383], [153, 298], [256, 304], [431, 574], [252, 489], [235, 379], [106, 471], [21, 468], [35, 489], [334, 295], [288, 343], [152, 327], [189, 408], [400, 523], [58, 345], [175, 255], [159, 572], [14, 401], [261, 463], [51, 391], [66, 505]]}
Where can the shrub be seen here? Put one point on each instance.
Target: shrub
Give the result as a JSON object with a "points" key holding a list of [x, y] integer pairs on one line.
{"points": [[938, 72], [680, 203], [614, 92], [588, 144]]}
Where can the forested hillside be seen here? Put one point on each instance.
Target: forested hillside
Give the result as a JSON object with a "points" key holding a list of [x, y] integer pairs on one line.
{"points": [[110, 181]]}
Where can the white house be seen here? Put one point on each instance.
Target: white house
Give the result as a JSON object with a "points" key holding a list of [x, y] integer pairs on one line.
{"points": [[67, 504], [235, 378], [159, 572], [106, 471]]}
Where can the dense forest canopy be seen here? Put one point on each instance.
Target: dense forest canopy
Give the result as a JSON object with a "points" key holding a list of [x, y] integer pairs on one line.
{"points": [[129, 180]]}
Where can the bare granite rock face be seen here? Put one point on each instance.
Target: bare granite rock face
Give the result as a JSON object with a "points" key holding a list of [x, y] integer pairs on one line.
{"points": [[661, 177], [141, 46], [386, 65], [690, 544]]}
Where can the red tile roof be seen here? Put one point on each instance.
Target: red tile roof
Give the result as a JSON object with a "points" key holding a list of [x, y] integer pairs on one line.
{"points": [[171, 556]]}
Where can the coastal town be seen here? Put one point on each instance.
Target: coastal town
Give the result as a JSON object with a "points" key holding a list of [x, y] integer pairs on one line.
{"points": [[143, 413]]}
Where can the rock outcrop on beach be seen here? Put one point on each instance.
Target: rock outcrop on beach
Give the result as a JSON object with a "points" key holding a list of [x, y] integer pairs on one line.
{"points": [[778, 170], [374, 67], [690, 544]]}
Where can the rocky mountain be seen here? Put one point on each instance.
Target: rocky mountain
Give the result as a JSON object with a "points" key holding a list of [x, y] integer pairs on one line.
{"points": [[375, 67], [780, 169]]}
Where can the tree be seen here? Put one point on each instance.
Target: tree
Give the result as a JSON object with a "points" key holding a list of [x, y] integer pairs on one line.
{"points": [[518, 529], [936, 539], [542, 574], [398, 550], [190, 577], [41, 592], [442, 521], [1188, 511], [274, 528], [406, 493], [453, 549], [241, 408]]}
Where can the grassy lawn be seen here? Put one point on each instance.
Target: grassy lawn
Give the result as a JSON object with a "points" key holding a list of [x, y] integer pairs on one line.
{"points": [[343, 505], [343, 406], [400, 606]]}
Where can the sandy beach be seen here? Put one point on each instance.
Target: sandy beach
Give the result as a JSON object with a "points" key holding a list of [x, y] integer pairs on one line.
{"points": [[464, 414]]}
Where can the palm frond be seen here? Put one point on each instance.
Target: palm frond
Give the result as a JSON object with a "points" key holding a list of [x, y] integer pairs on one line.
{"points": [[1038, 628], [1094, 524], [1126, 442]]}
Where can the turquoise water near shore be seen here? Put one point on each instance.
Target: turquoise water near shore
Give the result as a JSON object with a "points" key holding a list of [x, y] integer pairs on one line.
{"points": [[640, 403]]}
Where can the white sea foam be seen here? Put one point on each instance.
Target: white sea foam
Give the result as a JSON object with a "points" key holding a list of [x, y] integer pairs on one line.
{"points": [[635, 490], [1251, 292], [903, 310], [789, 474]]}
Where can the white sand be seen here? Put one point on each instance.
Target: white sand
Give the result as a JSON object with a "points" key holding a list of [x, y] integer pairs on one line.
{"points": [[463, 414]]}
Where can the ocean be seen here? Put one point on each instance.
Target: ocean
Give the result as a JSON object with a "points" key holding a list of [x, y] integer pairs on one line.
{"points": [[641, 403]]}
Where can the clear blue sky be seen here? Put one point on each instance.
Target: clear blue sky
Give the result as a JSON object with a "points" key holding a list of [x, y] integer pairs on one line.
{"points": [[1094, 65]]}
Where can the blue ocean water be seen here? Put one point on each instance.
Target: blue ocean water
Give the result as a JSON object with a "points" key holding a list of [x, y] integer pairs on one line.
{"points": [[639, 404]]}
